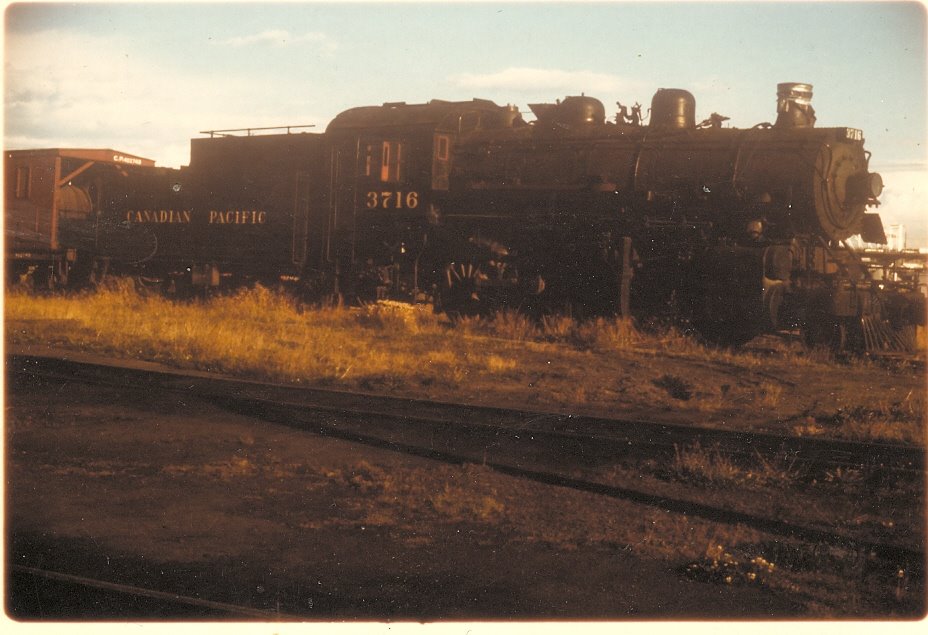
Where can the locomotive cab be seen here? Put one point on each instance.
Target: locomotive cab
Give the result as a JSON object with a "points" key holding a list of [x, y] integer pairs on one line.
{"points": [[392, 167]]}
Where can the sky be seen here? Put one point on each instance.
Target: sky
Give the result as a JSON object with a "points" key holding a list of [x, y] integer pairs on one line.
{"points": [[144, 78]]}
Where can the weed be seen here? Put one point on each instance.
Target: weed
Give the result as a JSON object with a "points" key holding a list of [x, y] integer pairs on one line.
{"points": [[461, 504], [513, 325], [557, 328], [707, 465], [470, 325], [900, 421], [397, 317], [605, 334], [669, 339], [711, 465]]}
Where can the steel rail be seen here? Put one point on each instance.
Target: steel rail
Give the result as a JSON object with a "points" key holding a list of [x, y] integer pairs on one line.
{"points": [[165, 596]]}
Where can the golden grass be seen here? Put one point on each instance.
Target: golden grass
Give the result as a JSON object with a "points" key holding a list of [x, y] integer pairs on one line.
{"points": [[899, 421], [261, 332], [398, 347], [253, 331], [711, 466]]}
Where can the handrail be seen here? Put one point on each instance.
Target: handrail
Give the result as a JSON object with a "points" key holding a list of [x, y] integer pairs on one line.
{"points": [[223, 133]]}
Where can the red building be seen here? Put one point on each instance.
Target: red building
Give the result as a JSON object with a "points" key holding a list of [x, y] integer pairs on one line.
{"points": [[46, 190]]}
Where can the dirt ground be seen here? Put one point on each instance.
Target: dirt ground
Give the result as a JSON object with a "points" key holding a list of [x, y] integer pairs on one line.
{"points": [[188, 496], [191, 498], [769, 388]]}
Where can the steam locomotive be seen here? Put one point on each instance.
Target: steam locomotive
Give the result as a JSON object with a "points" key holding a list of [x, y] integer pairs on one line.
{"points": [[732, 232]]}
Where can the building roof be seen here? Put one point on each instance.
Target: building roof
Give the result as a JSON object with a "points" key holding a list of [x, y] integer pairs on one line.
{"points": [[100, 155]]}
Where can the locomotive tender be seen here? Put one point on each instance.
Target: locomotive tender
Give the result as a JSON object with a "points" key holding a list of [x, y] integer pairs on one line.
{"points": [[735, 232]]}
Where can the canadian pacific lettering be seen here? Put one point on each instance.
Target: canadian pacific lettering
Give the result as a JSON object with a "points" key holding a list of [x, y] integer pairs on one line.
{"points": [[158, 216], [185, 216], [118, 158], [237, 217]]}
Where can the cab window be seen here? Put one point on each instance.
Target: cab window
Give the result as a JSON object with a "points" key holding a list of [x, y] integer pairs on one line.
{"points": [[384, 160], [391, 162]]}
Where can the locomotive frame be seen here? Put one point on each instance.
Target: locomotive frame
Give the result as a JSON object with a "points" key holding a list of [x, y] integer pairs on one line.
{"points": [[732, 232]]}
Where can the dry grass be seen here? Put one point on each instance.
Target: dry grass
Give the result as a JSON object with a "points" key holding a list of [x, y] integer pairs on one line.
{"points": [[892, 421], [260, 332], [405, 496], [711, 466], [253, 331], [603, 365]]}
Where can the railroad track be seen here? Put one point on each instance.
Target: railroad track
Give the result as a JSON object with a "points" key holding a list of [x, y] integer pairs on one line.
{"points": [[589, 438], [93, 596], [525, 444]]}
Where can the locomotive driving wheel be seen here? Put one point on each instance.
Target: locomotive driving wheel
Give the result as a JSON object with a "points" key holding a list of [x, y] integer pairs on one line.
{"points": [[461, 292]]}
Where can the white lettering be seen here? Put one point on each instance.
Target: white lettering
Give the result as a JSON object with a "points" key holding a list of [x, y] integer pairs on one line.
{"points": [[118, 158]]}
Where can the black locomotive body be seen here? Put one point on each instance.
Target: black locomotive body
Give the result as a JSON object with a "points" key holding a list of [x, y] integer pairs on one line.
{"points": [[731, 231], [246, 208], [735, 231]]}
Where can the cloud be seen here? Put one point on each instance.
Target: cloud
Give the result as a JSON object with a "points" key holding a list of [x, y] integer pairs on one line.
{"points": [[905, 199], [65, 89], [548, 81], [281, 37]]}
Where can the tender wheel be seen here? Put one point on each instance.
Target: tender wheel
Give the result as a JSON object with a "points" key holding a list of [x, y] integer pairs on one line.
{"points": [[42, 278], [88, 271], [51, 277]]}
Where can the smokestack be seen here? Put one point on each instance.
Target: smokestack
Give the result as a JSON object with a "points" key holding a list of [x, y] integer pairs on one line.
{"points": [[794, 105]]}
